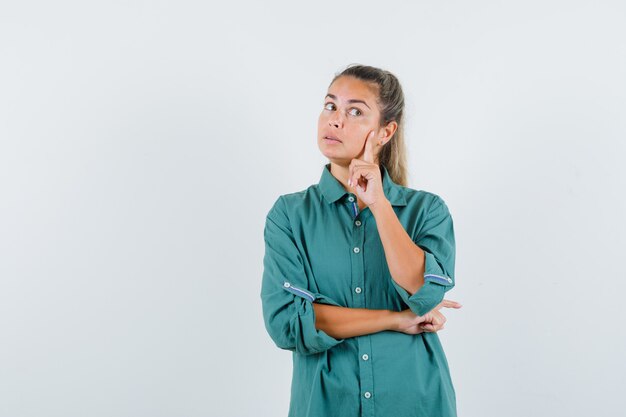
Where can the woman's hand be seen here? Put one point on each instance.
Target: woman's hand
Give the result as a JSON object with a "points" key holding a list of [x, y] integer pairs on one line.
{"points": [[407, 322], [433, 321], [364, 174]]}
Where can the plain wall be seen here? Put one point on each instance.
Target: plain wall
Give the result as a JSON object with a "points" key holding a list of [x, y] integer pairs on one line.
{"points": [[142, 144]]}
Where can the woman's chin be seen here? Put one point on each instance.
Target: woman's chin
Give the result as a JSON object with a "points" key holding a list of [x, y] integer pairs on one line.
{"points": [[328, 153], [331, 155], [336, 156], [338, 160]]}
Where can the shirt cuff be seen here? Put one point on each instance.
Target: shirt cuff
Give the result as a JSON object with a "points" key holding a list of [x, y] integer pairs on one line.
{"points": [[307, 339], [436, 284]]}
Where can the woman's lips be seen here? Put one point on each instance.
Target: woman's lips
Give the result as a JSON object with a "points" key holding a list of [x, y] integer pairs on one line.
{"points": [[331, 139]]}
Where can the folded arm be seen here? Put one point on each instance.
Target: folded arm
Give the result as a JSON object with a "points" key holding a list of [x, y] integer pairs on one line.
{"points": [[343, 322], [422, 266]]}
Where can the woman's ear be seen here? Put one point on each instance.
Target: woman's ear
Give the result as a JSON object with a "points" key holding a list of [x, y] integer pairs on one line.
{"points": [[390, 129]]}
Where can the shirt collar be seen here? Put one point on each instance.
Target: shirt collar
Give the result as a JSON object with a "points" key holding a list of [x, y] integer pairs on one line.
{"points": [[332, 190]]}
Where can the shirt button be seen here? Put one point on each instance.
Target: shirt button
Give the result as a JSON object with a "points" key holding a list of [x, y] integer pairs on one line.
{"points": [[351, 199], [367, 394], [357, 250], [365, 357], [357, 290], [358, 222], [287, 285]]}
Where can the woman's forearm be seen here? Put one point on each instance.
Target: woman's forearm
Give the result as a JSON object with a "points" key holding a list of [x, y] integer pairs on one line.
{"points": [[405, 259], [344, 322]]}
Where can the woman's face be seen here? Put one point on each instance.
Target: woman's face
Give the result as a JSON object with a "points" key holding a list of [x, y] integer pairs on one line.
{"points": [[350, 113]]}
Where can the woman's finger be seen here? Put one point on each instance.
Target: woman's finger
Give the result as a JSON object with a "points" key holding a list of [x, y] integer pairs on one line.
{"points": [[370, 145], [352, 176], [449, 304], [438, 318], [357, 172], [351, 182], [441, 318], [428, 327]]}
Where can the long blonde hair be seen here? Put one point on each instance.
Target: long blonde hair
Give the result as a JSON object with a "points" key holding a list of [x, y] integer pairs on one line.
{"points": [[391, 105]]}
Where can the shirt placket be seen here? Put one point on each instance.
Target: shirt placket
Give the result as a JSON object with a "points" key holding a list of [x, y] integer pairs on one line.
{"points": [[359, 301]]}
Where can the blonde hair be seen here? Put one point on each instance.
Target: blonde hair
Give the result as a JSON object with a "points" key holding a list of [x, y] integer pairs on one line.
{"points": [[391, 105]]}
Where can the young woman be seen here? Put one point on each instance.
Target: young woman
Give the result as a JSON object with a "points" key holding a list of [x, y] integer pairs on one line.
{"points": [[356, 267]]}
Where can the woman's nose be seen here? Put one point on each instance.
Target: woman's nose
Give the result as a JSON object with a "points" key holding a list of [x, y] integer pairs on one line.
{"points": [[335, 121]]}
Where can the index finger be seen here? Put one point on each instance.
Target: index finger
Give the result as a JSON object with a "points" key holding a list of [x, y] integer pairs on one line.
{"points": [[370, 144], [449, 304]]}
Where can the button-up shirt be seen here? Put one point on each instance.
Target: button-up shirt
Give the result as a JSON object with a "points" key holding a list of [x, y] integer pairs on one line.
{"points": [[319, 247]]}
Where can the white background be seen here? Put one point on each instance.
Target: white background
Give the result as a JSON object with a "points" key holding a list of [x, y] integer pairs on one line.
{"points": [[142, 144]]}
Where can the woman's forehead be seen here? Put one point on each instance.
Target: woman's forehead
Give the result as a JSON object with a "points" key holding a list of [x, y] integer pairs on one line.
{"points": [[350, 88]]}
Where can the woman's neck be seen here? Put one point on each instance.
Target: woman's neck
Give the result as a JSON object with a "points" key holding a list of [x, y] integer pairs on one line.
{"points": [[341, 174]]}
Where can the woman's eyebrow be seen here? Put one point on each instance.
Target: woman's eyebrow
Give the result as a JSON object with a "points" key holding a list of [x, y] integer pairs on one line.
{"points": [[349, 101]]}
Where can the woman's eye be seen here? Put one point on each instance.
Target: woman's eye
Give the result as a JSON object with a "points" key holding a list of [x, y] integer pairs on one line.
{"points": [[353, 111]]}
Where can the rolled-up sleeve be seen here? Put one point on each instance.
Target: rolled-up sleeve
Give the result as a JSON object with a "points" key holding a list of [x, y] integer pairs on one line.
{"points": [[436, 238], [286, 298]]}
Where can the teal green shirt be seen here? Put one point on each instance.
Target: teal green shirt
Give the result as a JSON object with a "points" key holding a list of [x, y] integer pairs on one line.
{"points": [[320, 248]]}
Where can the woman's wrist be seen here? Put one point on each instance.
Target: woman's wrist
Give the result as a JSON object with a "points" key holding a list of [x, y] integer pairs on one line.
{"points": [[390, 319], [380, 206]]}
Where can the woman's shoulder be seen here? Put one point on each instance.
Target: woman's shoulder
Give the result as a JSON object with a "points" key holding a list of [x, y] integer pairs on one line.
{"points": [[295, 201], [425, 199], [309, 193]]}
